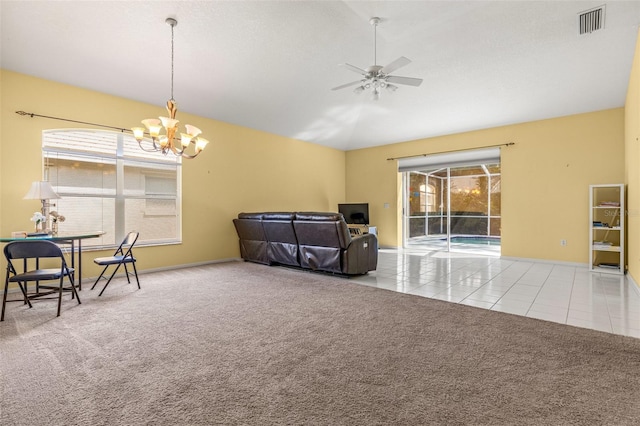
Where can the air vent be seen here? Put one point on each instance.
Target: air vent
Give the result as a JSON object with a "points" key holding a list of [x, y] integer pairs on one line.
{"points": [[591, 20]]}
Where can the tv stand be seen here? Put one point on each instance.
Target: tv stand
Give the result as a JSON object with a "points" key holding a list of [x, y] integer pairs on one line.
{"points": [[356, 230]]}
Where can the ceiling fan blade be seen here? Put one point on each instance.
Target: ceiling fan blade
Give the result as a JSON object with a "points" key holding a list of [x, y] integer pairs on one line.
{"points": [[353, 83], [409, 81], [398, 63], [353, 68]]}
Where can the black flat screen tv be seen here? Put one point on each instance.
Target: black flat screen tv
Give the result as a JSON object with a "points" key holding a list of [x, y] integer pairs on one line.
{"points": [[355, 213]]}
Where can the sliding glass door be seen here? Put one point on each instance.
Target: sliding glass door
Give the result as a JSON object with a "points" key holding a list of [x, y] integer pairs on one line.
{"points": [[453, 208], [426, 206]]}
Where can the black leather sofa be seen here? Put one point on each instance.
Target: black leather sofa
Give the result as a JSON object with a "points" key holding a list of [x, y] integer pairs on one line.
{"points": [[309, 240]]}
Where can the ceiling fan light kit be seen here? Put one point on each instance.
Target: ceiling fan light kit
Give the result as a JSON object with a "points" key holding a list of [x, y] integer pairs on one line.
{"points": [[377, 77]]}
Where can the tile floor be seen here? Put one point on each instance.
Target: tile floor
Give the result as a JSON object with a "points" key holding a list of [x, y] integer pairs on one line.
{"points": [[560, 293]]}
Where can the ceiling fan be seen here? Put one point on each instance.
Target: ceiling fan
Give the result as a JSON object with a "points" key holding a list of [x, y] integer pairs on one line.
{"points": [[376, 76]]}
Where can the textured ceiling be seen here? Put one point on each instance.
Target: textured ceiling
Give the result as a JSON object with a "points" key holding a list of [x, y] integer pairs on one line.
{"points": [[270, 65]]}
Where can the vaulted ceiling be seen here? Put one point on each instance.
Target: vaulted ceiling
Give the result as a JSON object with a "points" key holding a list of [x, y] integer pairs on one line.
{"points": [[270, 65]]}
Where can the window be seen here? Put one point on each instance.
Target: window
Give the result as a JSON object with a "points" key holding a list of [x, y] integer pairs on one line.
{"points": [[106, 182]]}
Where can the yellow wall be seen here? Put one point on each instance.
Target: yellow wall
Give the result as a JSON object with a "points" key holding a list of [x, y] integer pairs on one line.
{"points": [[545, 174], [545, 180], [632, 164], [241, 169]]}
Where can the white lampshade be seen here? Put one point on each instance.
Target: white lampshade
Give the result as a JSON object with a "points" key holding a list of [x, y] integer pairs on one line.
{"points": [[201, 143], [169, 123], [185, 140], [153, 125], [138, 133], [41, 190], [193, 131]]}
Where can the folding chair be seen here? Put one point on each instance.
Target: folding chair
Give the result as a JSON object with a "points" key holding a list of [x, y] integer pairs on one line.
{"points": [[36, 250], [119, 258]]}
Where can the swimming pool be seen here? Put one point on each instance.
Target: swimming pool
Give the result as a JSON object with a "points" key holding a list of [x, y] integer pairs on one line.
{"points": [[477, 240]]}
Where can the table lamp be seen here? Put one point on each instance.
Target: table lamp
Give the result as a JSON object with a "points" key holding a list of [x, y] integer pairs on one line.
{"points": [[42, 190]]}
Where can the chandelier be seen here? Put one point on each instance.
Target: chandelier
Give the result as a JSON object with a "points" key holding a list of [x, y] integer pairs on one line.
{"points": [[167, 143]]}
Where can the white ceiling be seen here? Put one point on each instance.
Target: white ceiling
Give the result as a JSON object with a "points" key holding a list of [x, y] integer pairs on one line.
{"points": [[270, 65]]}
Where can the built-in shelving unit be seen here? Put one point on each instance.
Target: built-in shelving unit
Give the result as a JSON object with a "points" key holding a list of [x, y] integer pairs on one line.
{"points": [[606, 231]]}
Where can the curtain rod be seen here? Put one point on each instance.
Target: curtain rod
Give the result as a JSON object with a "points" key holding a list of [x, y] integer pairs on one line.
{"points": [[453, 150], [31, 114]]}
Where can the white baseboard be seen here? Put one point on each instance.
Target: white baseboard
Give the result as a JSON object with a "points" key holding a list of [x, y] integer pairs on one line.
{"points": [[182, 266], [553, 262], [91, 280], [635, 284]]}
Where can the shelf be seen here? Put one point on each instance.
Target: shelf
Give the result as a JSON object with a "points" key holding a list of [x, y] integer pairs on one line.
{"points": [[605, 248], [606, 270], [607, 243]]}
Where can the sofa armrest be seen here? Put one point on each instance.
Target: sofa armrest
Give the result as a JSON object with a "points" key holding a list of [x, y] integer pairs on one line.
{"points": [[361, 255]]}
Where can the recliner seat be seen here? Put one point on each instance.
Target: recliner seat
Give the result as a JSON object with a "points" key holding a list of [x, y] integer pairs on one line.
{"points": [[253, 241], [282, 243]]}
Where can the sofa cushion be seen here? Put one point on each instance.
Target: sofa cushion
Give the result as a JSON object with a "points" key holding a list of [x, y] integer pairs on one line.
{"points": [[255, 216], [319, 216], [278, 216]]}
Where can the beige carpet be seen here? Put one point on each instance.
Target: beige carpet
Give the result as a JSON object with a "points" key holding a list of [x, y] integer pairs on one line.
{"points": [[245, 344]]}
